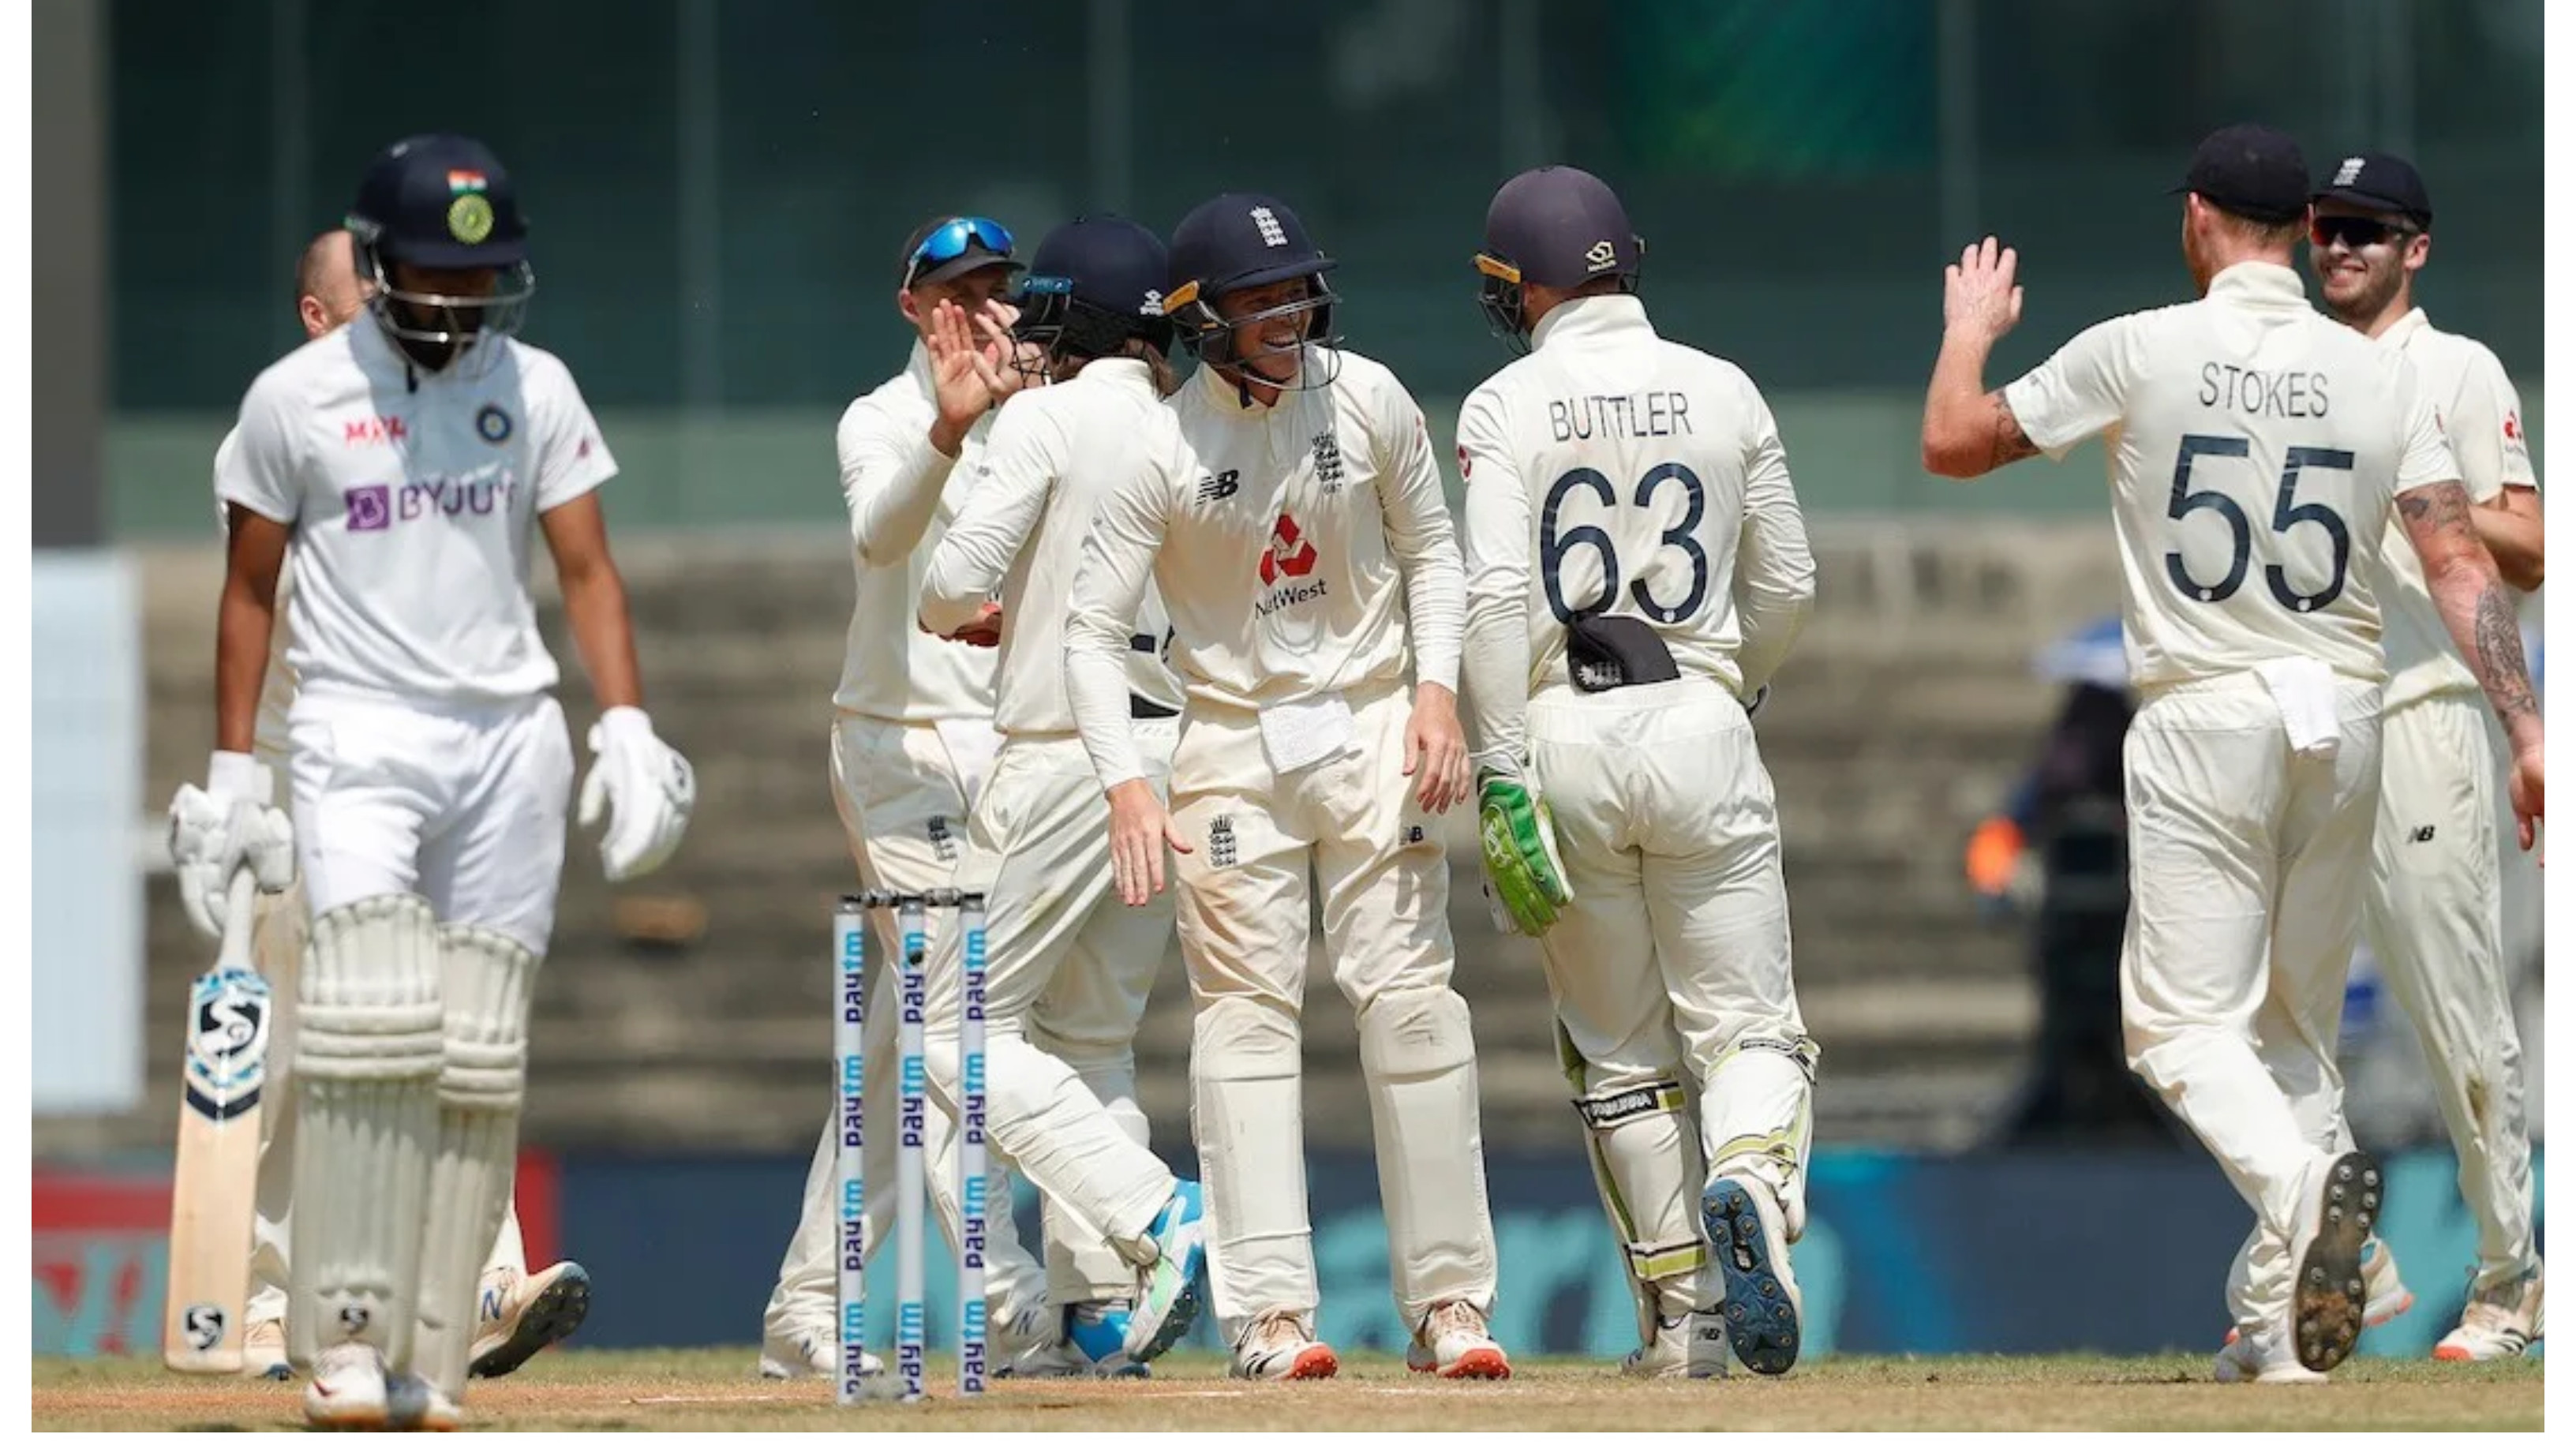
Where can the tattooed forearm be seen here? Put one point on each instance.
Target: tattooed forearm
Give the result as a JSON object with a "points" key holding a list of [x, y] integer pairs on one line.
{"points": [[2498, 660], [2006, 442], [2440, 508]]}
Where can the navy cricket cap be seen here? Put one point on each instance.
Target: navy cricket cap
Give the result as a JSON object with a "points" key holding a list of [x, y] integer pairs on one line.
{"points": [[440, 201], [2377, 181], [2250, 171], [1561, 227], [1112, 263]]}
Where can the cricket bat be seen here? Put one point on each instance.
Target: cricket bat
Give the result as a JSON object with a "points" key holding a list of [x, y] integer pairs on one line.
{"points": [[215, 1183]]}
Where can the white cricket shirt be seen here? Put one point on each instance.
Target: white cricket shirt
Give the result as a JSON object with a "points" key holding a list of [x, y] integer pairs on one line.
{"points": [[1296, 546], [2255, 447], [2482, 419], [897, 488], [1612, 471], [1054, 453], [414, 498]]}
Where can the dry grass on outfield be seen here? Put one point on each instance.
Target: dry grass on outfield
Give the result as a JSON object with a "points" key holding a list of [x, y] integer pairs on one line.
{"points": [[714, 1389]]}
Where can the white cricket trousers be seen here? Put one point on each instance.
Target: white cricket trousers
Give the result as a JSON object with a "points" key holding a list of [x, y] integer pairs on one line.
{"points": [[1673, 955], [2248, 869], [903, 796], [2435, 922], [1243, 914], [1068, 968]]}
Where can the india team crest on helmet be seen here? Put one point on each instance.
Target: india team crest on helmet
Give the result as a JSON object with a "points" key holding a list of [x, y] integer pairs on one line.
{"points": [[469, 218]]}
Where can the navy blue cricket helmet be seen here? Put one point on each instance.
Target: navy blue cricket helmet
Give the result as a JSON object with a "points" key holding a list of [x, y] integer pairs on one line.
{"points": [[1559, 227], [1094, 284], [1235, 242], [442, 203]]}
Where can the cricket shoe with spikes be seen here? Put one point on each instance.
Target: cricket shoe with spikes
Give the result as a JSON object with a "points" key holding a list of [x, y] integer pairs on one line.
{"points": [[347, 1390], [1453, 1343], [413, 1402], [518, 1314], [812, 1352], [2338, 1209], [264, 1350], [2261, 1357], [2500, 1322], [2387, 1292], [1692, 1346], [1167, 1298], [1277, 1346], [1751, 1246]]}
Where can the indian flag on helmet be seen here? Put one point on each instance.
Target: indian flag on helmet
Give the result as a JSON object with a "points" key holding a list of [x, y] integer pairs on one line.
{"points": [[461, 182]]}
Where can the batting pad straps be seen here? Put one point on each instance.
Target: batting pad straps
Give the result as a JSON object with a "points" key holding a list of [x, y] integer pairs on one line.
{"points": [[1646, 1163], [369, 994], [1608, 1111], [490, 981]]}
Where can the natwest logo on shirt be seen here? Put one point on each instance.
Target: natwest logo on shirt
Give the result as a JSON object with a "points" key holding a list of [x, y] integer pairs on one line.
{"points": [[1289, 554]]}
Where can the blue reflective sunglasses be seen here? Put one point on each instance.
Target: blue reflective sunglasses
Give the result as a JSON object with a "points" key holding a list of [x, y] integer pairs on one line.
{"points": [[949, 242]]}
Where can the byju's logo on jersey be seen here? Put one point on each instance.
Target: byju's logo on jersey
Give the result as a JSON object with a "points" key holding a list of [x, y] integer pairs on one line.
{"points": [[1290, 554], [370, 508], [1328, 462], [1220, 487]]}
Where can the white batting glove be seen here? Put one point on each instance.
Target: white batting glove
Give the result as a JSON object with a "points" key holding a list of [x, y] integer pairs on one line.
{"points": [[644, 786], [217, 830]]}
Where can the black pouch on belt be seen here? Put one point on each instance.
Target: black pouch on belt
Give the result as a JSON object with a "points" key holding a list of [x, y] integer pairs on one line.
{"points": [[1613, 651]]}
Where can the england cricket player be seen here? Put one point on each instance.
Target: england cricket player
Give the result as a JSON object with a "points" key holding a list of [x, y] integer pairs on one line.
{"points": [[1307, 560], [1069, 965], [2252, 442], [1636, 570], [2434, 908], [912, 741], [409, 459], [517, 1312]]}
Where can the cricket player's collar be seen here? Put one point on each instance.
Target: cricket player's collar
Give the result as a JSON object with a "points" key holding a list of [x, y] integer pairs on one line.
{"points": [[917, 367], [1591, 317], [1233, 399], [1127, 373], [2259, 284], [2407, 328]]}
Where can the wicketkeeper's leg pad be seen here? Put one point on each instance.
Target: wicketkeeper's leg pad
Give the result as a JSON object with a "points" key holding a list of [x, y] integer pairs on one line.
{"points": [[1418, 1052], [1758, 1119], [1646, 1161], [367, 1054], [482, 1084]]}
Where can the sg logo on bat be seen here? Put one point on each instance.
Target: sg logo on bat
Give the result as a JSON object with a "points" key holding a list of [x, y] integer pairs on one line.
{"points": [[227, 1042]]}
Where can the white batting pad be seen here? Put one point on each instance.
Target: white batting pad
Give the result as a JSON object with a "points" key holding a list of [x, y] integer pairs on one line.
{"points": [[1419, 1054], [367, 1052], [482, 1081]]}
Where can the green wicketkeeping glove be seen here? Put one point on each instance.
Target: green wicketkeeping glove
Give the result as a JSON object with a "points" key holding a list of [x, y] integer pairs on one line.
{"points": [[1521, 863]]}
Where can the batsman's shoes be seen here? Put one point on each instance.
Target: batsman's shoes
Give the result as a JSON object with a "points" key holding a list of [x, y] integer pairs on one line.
{"points": [[2338, 1208], [347, 1390], [518, 1314], [1762, 1303], [413, 1402], [1692, 1346], [1167, 1297], [796, 1355], [1277, 1346], [264, 1350], [2500, 1322], [2388, 1293], [1453, 1343], [1096, 1335], [1028, 1343], [2261, 1357]]}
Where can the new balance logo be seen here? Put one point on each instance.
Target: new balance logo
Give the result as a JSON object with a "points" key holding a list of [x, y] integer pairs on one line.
{"points": [[2423, 835], [1271, 232], [1220, 487]]}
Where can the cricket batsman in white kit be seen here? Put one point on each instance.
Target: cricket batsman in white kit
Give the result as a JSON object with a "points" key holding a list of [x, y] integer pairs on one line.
{"points": [[409, 459], [2256, 449], [912, 743], [2434, 914], [517, 1312], [1069, 965], [1306, 558], [1636, 570]]}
